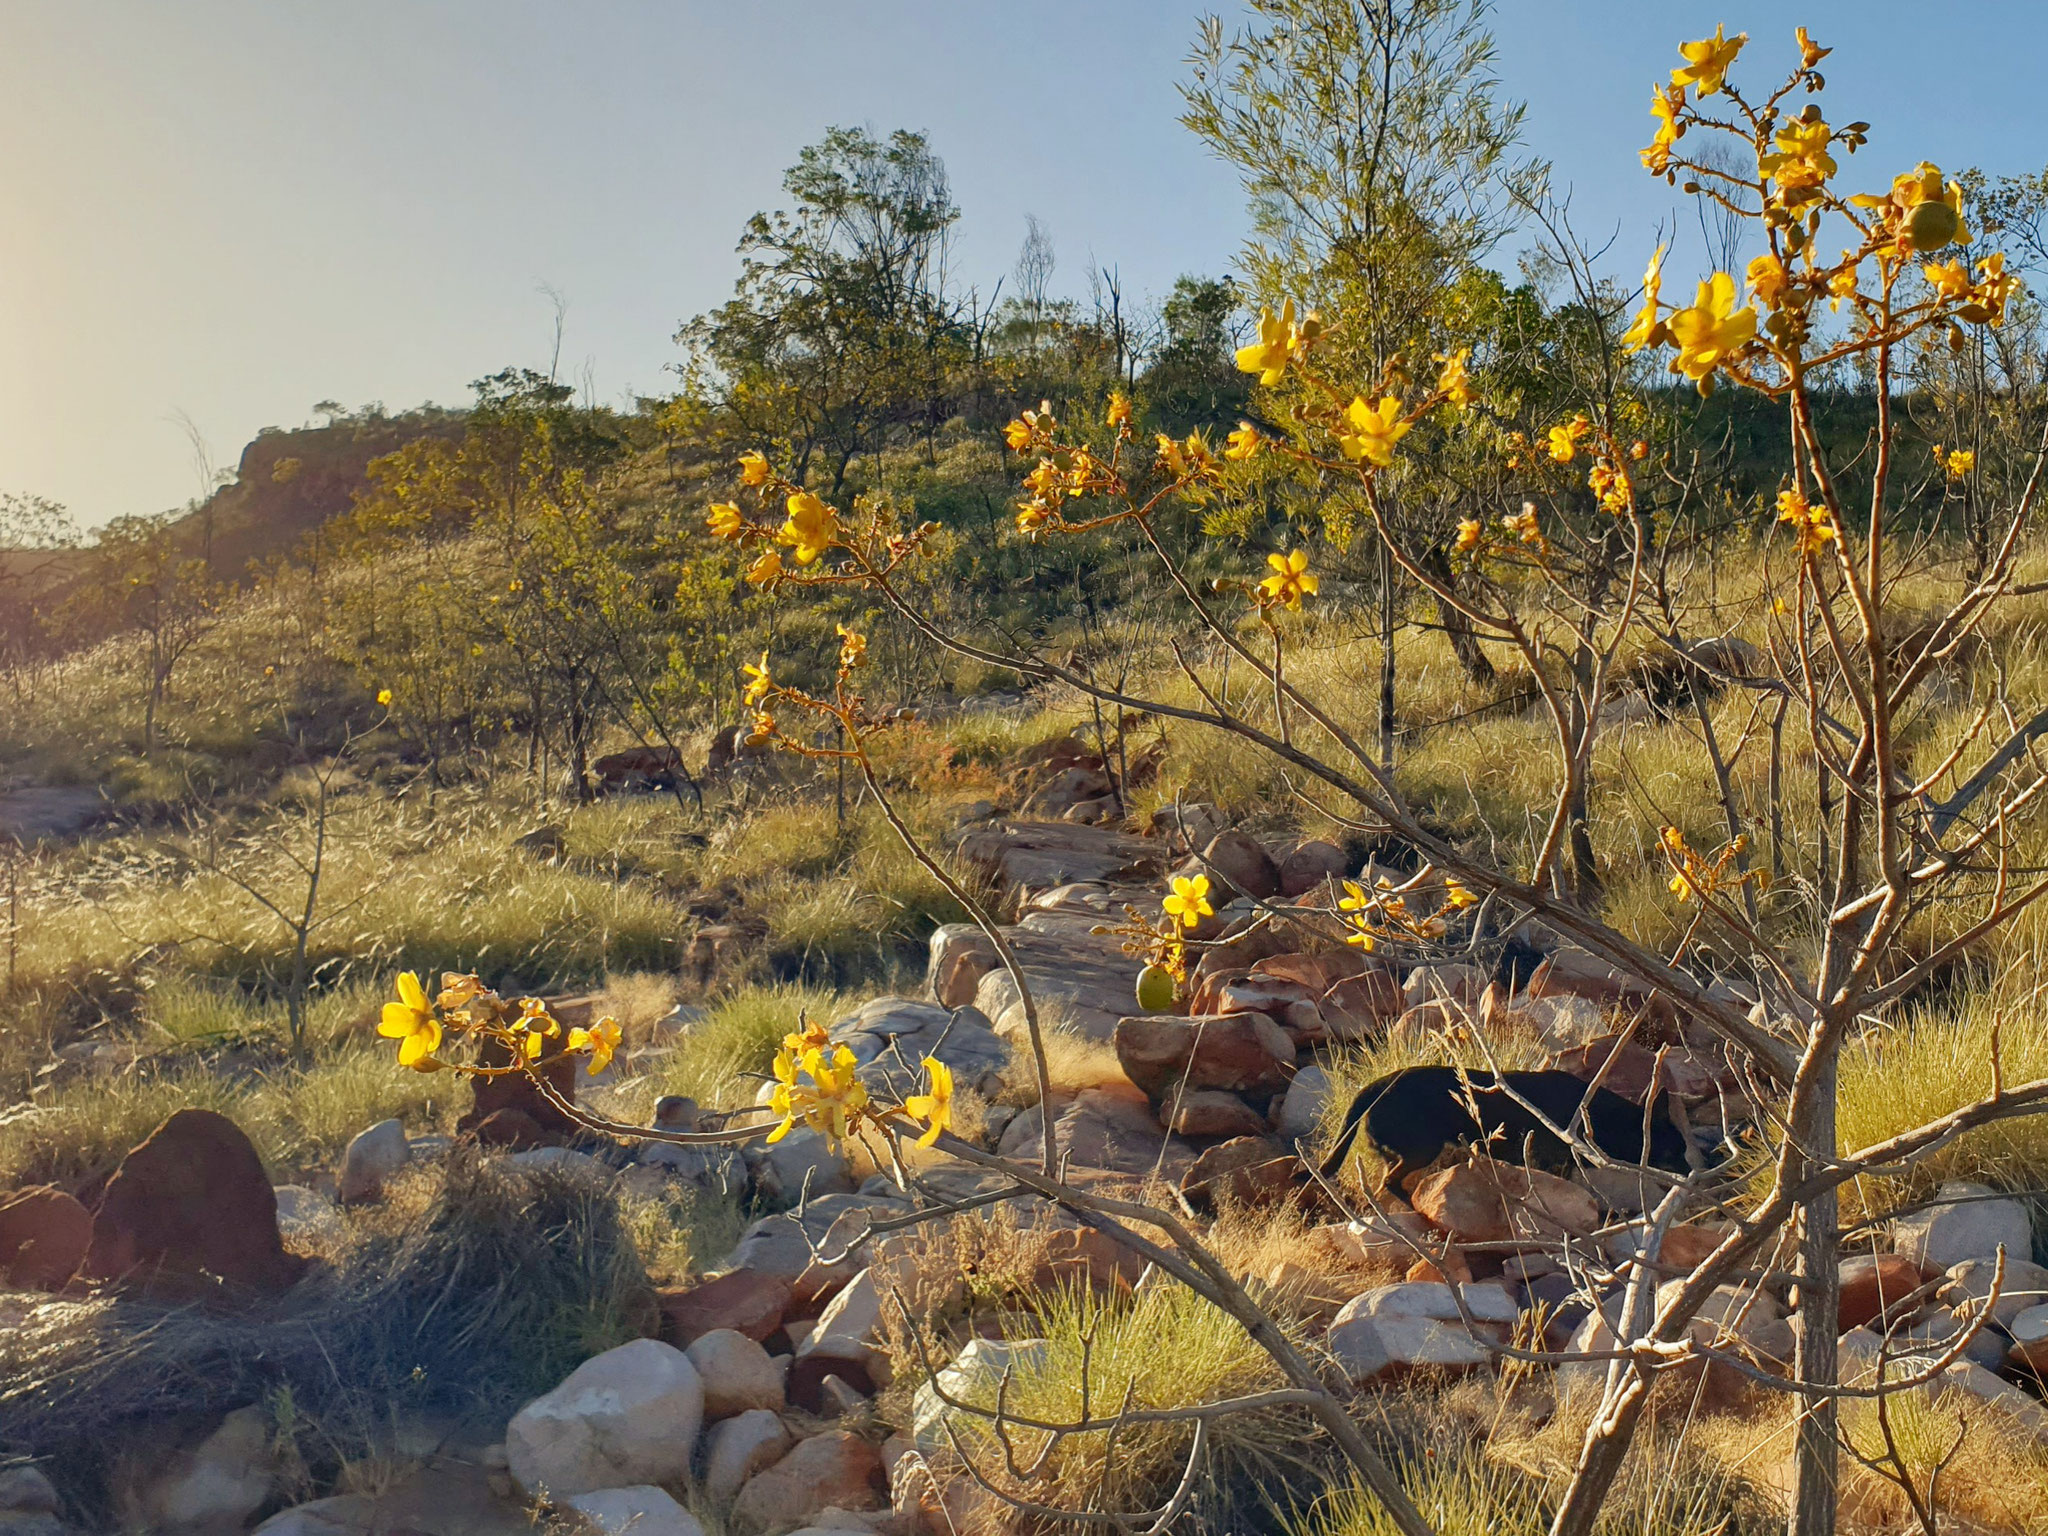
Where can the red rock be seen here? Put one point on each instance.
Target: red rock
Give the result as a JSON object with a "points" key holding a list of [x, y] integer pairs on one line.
{"points": [[1247, 1169], [1318, 972], [516, 1090], [190, 1212], [1686, 1246], [1211, 1113], [1074, 1254], [1631, 1070], [1575, 973], [1485, 1202], [1110, 1127], [1242, 1052], [44, 1234], [1242, 864], [1309, 865], [835, 1469], [1459, 1272], [1873, 1283], [743, 1300], [513, 1130], [1363, 1005], [850, 1362]]}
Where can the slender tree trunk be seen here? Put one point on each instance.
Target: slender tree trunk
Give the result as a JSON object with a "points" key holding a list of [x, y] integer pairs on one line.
{"points": [[1815, 1323], [1387, 608]]}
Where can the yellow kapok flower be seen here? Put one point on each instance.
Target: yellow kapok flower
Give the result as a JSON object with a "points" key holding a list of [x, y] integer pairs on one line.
{"points": [[1665, 104], [753, 468], [1278, 341], [1958, 463], [458, 990], [1767, 280], [1950, 280], [1031, 516], [1119, 413], [1707, 60], [828, 1102], [763, 730], [853, 649], [759, 683], [1018, 435], [1468, 535], [725, 520], [539, 1025], [1645, 330], [1291, 580], [1810, 52], [1801, 162], [411, 1022], [1564, 440], [1374, 430], [1523, 526], [935, 1109], [814, 1036], [1358, 903], [1242, 443], [601, 1040], [1708, 332], [1812, 526], [767, 567], [1995, 287], [384, 697], [1458, 896], [1188, 902], [1610, 485], [1453, 382], [811, 527]]}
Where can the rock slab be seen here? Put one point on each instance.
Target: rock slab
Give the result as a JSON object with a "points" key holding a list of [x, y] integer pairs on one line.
{"points": [[625, 1417]]}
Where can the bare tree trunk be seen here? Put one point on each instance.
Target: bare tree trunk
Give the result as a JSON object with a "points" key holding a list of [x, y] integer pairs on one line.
{"points": [[1815, 1323]]}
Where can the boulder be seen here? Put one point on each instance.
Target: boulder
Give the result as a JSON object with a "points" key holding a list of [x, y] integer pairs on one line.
{"points": [[960, 955], [1085, 980], [832, 1469], [804, 1164], [1362, 1006], [636, 1511], [1873, 1285], [744, 1301], [1247, 1169], [625, 1417], [737, 1373], [1241, 1052], [1464, 984], [1110, 1128], [1019, 855], [373, 1156], [306, 1216], [517, 1092], [1938, 1334], [1301, 1110], [972, 1376], [442, 1498], [2029, 1330], [1487, 1202], [890, 1036], [561, 1160], [1187, 825], [845, 1343], [738, 1447], [213, 1488], [1311, 863], [1242, 864], [1965, 1221], [191, 1212], [835, 1226], [1212, 1114], [1397, 1329], [512, 1130], [44, 1234], [1968, 1287]]}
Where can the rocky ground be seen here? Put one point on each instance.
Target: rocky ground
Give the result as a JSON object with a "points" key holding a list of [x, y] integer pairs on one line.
{"points": [[754, 1398]]}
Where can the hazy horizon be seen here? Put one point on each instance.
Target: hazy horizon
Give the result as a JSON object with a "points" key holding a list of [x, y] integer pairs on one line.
{"points": [[232, 211]]}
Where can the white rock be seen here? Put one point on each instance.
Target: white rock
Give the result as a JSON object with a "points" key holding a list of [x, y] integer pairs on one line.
{"points": [[372, 1157], [738, 1447], [972, 1376], [1301, 1108], [637, 1511], [801, 1162], [2024, 1287], [305, 1214], [854, 1316], [1431, 1299], [216, 1486], [626, 1417], [737, 1373], [1369, 1346], [1965, 1225]]}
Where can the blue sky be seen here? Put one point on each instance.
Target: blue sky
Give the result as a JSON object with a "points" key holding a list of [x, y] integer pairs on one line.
{"points": [[235, 208]]}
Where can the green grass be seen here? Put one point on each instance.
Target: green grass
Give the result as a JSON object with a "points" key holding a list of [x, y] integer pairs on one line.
{"points": [[738, 1036]]}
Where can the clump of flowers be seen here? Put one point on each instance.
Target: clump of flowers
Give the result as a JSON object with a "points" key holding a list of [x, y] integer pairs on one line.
{"points": [[530, 1035]]}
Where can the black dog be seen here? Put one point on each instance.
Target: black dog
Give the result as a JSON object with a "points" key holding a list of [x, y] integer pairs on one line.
{"points": [[1410, 1116]]}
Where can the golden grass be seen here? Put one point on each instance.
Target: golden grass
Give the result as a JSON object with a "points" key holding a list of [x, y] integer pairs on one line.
{"points": [[723, 1058]]}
